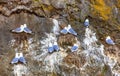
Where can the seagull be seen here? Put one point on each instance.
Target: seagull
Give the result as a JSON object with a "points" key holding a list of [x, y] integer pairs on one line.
{"points": [[71, 30], [50, 48], [56, 27], [86, 23], [19, 30], [64, 30], [26, 29], [55, 46], [74, 48], [22, 59], [109, 40], [16, 59]]}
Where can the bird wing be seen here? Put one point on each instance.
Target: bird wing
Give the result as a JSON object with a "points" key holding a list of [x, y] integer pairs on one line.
{"points": [[56, 47], [27, 30], [22, 59], [64, 31], [74, 48], [86, 23], [15, 60], [17, 30], [109, 41], [50, 49], [72, 31]]}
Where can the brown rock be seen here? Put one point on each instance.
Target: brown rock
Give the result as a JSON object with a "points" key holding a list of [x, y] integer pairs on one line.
{"points": [[58, 4]]}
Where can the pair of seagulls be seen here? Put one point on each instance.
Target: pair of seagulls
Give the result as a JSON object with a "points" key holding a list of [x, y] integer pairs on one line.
{"points": [[22, 28], [68, 29], [53, 47], [18, 58]]}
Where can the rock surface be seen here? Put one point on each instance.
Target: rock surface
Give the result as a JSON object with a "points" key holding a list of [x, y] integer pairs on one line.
{"points": [[104, 16]]}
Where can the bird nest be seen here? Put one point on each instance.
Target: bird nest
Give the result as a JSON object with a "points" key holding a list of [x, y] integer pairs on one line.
{"points": [[66, 40], [74, 59]]}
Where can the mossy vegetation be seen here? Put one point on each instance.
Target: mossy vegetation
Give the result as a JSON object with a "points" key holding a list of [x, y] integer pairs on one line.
{"points": [[118, 3], [101, 9]]}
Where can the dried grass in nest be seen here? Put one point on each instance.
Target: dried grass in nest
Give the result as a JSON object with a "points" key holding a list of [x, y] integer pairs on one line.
{"points": [[113, 50], [65, 40], [63, 25], [72, 59]]}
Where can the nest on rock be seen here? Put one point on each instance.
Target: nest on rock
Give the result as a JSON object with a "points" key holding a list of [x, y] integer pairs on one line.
{"points": [[113, 52], [66, 40], [72, 59]]}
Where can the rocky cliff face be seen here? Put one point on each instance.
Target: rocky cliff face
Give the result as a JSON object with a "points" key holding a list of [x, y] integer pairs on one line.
{"points": [[93, 58]]}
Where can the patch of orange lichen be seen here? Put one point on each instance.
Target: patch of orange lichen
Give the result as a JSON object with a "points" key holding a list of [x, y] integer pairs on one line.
{"points": [[100, 9], [118, 3]]}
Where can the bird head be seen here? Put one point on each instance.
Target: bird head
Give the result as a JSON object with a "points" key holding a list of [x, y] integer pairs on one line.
{"points": [[21, 54], [108, 37], [76, 45], [17, 55], [55, 43], [65, 28], [25, 25], [21, 26], [87, 20], [69, 26], [50, 44]]}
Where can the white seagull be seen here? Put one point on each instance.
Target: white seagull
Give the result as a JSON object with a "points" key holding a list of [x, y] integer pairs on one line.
{"points": [[55, 46], [19, 29], [26, 29], [71, 30], [86, 23], [50, 48], [22, 59], [74, 48], [109, 40], [16, 59], [64, 30]]}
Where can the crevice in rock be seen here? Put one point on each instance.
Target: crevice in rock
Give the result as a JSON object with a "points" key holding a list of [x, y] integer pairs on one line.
{"points": [[18, 9]]}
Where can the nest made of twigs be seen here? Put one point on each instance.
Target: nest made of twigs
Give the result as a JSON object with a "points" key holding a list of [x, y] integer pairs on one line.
{"points": [[66, 40]]}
